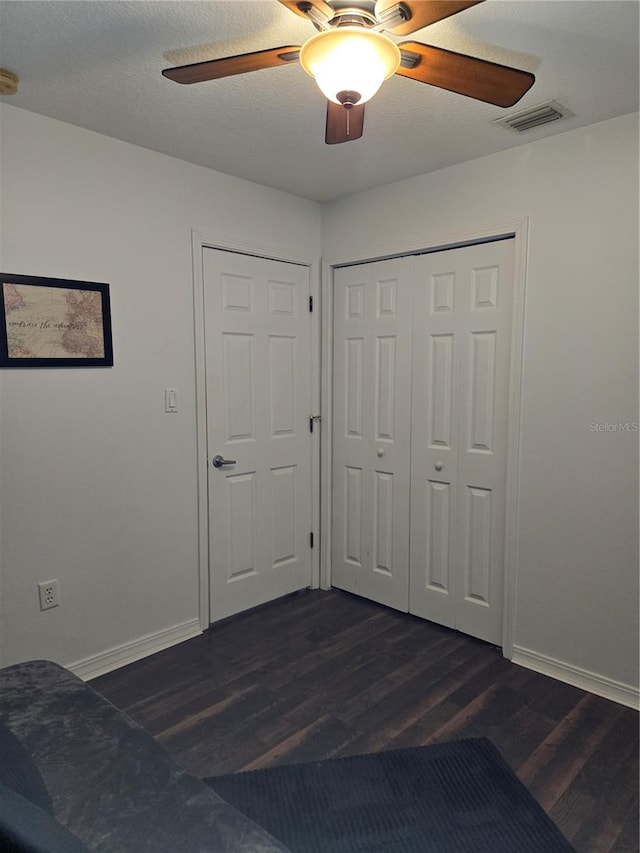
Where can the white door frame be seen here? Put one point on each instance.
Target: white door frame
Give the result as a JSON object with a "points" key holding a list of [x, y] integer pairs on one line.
{"points": [[518, 230], [199, 241]]}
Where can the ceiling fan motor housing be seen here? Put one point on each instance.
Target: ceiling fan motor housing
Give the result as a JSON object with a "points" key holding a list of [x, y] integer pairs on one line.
{"points": [[353, 17]]}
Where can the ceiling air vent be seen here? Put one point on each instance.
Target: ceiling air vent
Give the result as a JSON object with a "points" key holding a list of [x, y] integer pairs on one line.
{"points": [[534, 117]]}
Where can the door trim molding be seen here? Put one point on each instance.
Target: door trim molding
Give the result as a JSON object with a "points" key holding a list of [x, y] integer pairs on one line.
{"points": [[518, 230], [514, 422], [204, 240]]}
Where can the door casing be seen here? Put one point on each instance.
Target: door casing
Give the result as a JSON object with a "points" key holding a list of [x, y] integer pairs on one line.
{"points": [[518, 230]]}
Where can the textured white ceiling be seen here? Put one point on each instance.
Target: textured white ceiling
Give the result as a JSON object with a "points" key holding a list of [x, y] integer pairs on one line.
{"points": [[97, 64]]}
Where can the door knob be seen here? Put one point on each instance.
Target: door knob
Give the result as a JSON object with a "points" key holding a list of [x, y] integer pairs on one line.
{"points": [[438, 466], [218, 461], [380, 451]]}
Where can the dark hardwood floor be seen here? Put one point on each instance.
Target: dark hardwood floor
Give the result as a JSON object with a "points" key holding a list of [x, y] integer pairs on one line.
{"points": [[326, 674]]}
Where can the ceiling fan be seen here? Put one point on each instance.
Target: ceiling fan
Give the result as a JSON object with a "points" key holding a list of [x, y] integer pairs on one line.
{"points": [[350, 56]]}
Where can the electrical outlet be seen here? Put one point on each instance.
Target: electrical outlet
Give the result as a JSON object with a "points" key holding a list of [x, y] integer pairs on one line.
{"points": [[49, 595]]}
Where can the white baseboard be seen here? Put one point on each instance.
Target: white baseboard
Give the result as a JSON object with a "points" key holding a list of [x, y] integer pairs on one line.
{"points": [[624, 694], [104, 662]]}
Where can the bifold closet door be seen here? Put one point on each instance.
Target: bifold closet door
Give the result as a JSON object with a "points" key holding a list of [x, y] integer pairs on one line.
{"points": [[461, 356], [371, 430]]}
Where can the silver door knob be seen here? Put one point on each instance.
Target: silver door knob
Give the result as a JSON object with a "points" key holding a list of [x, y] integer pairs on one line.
{"points": [[438, 466], [218, 461], [380, 452]]}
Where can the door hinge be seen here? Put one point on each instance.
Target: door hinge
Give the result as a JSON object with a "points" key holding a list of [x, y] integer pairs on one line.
{"points": [[311, 539], [311, 304], [313, 418]]}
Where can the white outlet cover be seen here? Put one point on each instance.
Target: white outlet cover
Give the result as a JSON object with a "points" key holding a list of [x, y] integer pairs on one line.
{"points": [[48, 594]]}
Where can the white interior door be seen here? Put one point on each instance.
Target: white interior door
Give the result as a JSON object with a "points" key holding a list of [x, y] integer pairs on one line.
{"points": [[421, 379], [371, 430], [258, 372], [461, 356]]}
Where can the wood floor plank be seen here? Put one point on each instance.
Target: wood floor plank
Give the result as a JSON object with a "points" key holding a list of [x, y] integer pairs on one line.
{"points": [[324, 674], [527, 730], [566, 750], [628, 841], [411, 702], [322, 738], [338, 651], [611, 780]]}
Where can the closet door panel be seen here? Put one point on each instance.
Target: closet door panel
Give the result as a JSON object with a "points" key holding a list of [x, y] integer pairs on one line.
{"points": [[371, 430], [461, 352]]}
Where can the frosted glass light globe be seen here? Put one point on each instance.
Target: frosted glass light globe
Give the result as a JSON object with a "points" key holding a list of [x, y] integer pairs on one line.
{"points": [[349, 60]]}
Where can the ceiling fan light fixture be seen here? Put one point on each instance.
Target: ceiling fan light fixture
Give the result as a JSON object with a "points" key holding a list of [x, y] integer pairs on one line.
{"points": [[349, 60]]}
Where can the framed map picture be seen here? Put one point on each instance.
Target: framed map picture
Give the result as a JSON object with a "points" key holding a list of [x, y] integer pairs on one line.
{"points": [[52, 322]]}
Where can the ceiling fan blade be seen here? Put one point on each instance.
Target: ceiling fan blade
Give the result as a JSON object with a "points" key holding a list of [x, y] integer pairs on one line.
{"points": [[302, 8], [421, 12], [466, 75], [343, 125], [213, 69]]}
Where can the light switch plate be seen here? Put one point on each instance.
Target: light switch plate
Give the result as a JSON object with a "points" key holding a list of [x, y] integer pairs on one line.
{"points": [[170, 400]]}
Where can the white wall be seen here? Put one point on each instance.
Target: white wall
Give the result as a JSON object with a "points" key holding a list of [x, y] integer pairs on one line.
{"points": [[577, 555], [98, 485]]}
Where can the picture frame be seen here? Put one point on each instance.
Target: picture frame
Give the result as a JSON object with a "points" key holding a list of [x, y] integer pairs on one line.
{"points": [[54, 322]]}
